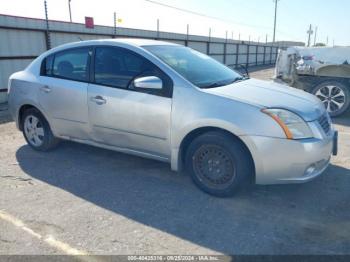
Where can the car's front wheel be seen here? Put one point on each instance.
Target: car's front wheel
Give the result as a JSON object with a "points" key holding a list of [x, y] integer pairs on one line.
{"points": [[37, 132], [218, 163], [334, 95]]}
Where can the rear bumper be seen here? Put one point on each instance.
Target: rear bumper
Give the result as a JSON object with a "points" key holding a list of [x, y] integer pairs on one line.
{"points": [[282, 161], [13, 110]]}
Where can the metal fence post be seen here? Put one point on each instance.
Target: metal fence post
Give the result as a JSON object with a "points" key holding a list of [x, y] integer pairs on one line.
{"points": [[237, 54], [248, 53], [115, 25], [208, 43], [157, 28], [271, 50], [187, 34], [225, 49], [47, 32]]}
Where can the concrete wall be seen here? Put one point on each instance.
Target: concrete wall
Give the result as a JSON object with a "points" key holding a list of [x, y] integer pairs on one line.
{"points": [[23, 39]]}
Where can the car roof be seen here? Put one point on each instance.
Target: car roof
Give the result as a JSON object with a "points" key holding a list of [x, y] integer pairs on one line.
{"points": [[120, 41], [139, 41]]}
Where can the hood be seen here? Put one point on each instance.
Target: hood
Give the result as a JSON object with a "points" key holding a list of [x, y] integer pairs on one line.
{"points": [[272, 95]]}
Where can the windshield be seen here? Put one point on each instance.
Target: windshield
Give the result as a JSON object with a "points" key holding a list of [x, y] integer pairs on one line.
{"points": [[201, 70]]}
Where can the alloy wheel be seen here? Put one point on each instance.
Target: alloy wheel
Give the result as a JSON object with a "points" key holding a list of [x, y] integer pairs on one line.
{"points": [[333, 97], [34, 131]]}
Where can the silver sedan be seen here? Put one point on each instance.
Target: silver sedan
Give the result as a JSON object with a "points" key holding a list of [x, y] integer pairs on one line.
{"points": [[171, 103]]}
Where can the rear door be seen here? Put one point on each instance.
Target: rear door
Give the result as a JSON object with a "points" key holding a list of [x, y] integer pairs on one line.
{"points": [[63, 94], [120, 114]]}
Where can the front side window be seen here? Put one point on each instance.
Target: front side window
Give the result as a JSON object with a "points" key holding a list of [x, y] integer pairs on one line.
{"points": [[72, 64], [201, 70], [117, 67]]}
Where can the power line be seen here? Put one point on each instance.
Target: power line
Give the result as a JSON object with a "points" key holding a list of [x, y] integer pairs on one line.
{"points": [[204, 15], [299, 37], [217, 18]]}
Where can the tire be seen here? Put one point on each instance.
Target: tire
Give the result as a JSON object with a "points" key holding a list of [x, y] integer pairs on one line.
{"points": [[37, 131], [334, 95], [218, 163]]}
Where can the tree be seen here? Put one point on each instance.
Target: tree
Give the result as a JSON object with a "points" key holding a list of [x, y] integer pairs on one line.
{"points": [[320, 45]]}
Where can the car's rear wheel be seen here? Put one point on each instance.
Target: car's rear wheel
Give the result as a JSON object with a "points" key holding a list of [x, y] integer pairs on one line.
{"points": [[334, 95], [37, 132], [218, 163]]}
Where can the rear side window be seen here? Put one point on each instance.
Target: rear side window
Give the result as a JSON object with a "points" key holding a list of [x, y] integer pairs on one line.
{"points": [[46, 67], [71, 64]]}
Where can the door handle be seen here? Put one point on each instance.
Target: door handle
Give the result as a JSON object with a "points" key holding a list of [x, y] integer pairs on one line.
{"points": [[99, 100], [45, 89]]}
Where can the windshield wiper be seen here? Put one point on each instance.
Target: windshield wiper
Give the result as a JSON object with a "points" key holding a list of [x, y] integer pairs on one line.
{"points": [[238, 79], [224, 83], [215, 84]]}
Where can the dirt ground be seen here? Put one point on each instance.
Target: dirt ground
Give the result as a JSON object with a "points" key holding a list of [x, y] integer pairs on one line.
{"points": [[84, 200], [264, 73]]}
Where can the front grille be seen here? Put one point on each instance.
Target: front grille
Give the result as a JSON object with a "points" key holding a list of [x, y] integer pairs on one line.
{"points": [[324, 122]]}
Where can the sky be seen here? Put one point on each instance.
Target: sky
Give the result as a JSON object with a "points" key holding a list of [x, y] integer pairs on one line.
{"points": [[239, 18]]}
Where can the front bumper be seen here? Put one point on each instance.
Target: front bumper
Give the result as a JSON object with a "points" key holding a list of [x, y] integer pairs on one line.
{"points": [[282, 161]]}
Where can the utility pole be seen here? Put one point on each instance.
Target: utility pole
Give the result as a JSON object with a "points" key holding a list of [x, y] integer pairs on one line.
{"points": [[266, 39], [315, 39], [70, 11], [309, 32], [275, 23]]}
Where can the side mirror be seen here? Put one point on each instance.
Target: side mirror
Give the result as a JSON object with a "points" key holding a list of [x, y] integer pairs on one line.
{"points": [[149, 82], [244, 68]]}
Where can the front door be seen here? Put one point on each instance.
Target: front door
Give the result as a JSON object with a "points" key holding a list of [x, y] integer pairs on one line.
{"points": [[120, 114]]}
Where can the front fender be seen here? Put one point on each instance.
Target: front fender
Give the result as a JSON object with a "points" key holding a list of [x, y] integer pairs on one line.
{"points": [[182, 133]]}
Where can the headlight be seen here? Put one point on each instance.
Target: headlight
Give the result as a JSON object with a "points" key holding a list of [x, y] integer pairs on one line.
{"points": [[293, 125]]}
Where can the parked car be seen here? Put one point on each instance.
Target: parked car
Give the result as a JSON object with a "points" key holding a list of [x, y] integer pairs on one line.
{"points": [[171, 103], [324, 72]]}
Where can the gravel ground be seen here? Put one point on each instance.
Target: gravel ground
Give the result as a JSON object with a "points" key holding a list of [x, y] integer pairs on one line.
{"points": [[263, 73], [81, 198]]}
